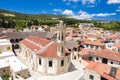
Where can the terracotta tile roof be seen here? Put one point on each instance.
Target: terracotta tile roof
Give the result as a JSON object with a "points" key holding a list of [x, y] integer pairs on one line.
{"points": [[103, 70], [108, 54], [51, 51], [38, 40], [108, 77], [30, 45], [87, 51], [98, 67], [96, 43], [117, 45], [48, 49], [114, 36]]}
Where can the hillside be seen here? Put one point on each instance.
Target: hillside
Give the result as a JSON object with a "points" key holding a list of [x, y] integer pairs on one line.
{"points": [[9, 19]]}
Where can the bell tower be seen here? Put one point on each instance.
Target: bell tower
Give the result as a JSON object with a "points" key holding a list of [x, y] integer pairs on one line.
{"points": [[61, 38]]}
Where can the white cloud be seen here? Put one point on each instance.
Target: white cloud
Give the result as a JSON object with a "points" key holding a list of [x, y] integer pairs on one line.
{"points": [[118, 10], [113, 1], [105, 14], [84, 15], [57, 10], [82, 1], [88, 1], [75, 1], [68, 12]]}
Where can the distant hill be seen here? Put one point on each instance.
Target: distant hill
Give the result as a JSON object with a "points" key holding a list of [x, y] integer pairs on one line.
{"points": [[10, 19]]}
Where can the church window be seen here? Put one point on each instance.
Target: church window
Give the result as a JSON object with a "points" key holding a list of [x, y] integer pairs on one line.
{"points": [[62, 62], [50, 63]]}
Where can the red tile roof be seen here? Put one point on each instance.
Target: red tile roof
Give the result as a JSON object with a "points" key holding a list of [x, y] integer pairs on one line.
{"points": [[103, 70], [51, 51], [98, 67], [96, 43], [117, 45], [108, 54], [87, 51], [30, 45], [108, 77], [48, 49], [38, 40]]}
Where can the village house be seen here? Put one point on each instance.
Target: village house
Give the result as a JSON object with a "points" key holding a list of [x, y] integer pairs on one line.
{"points": [[100, 71], [117, 47], [87, 54], [93, 45], [108, 57]]}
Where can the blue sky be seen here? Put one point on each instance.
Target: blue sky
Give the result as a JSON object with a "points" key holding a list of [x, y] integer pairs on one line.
{"points": [[80, 9]]}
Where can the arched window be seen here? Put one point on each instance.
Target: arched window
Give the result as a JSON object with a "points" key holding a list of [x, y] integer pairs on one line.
{"points": [[16, 46], [16, 40], [12, 40]]}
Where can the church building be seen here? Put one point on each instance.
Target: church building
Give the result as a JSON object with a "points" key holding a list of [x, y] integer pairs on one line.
{"points": [[45, 56]]}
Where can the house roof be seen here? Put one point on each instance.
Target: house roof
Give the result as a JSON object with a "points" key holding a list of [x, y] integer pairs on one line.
{"points": [[50, 34], [42, 46], [18, 35], [96, 43], [108, 54], [38, 40], [103, 70], [87, 51], [71, 44], [30, 45], [49, 51], [117, 45]]}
